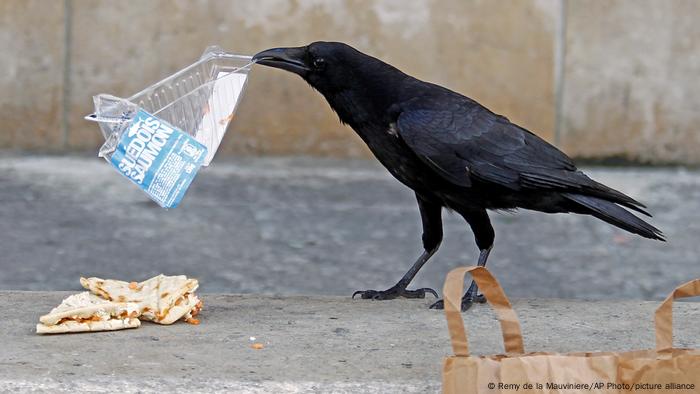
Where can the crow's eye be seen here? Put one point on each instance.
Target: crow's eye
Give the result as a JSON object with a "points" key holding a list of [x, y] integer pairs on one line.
{"points": [[319, 63]]}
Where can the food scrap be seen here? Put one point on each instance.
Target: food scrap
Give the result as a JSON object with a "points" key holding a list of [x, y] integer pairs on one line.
{"points": [[163, 299], [85, 312], [257, 346], [115, 305], [226, 119]]}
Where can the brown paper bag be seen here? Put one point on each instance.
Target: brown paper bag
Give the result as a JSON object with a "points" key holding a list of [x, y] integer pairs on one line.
{"points": [[661, 370]]}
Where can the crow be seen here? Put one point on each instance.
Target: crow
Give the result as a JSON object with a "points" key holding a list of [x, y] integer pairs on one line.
{"points": [[451, 151]]}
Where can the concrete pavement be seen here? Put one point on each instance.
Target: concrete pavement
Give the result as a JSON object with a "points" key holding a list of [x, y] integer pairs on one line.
{"points": [[311, 344]]}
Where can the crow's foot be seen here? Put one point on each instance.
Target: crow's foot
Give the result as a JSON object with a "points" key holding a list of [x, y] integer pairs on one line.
{"points": [[467, 302], [394, 292]]}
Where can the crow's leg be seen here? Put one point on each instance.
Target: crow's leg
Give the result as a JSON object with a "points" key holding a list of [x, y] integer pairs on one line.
{"points": [[432, 237], [484, 235], [399, 289], [472, 293]]}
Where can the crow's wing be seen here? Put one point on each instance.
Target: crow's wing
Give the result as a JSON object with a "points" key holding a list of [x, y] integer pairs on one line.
{"points": [[471, 142], [464, 143]]}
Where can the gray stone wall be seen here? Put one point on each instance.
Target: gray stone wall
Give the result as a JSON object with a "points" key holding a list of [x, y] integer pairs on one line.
{"points": [[599, 79], [631, 85]]}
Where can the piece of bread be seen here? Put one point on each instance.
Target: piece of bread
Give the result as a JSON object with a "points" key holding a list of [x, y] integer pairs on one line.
{"points": [[161, 299], [71, 326], [87, 312]]}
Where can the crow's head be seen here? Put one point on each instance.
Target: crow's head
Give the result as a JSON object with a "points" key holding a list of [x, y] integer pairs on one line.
{"points": [[352, 82], [324, 65]]}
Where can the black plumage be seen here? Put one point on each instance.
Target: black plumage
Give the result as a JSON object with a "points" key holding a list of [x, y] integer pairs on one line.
{"points": [[452, 151]]}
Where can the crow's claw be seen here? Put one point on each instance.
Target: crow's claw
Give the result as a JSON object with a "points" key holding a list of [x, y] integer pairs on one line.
{"points": [[439, 304], [431, 291], [466, 302], [394, 292]]}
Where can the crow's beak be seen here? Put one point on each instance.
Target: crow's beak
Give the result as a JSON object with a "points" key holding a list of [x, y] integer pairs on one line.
{"points": [[290, 59]]}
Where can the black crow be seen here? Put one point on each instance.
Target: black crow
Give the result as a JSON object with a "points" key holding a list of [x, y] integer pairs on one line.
{"points": [[452, 151]]}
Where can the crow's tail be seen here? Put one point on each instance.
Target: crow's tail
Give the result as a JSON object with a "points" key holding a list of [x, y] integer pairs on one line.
{"points": [[616, 215]]}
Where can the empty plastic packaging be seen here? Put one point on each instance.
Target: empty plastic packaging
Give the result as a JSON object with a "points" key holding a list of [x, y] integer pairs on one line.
{"points": [[200, 100], [161, 136]]}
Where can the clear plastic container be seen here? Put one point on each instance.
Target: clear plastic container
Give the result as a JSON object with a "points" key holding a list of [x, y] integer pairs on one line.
{"points": [[200, 100]]}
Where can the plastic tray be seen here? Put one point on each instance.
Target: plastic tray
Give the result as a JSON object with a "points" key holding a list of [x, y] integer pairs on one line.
{"points": [[200, 100]]}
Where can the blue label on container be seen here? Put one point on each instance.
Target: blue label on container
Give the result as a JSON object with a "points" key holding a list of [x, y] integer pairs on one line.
{"points": [[159, 158]]}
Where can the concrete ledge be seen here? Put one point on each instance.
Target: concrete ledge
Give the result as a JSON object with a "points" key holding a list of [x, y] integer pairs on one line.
{"points": [[312, 344]]}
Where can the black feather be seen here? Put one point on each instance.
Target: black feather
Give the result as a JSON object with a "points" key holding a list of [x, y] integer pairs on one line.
{"points": [[616, 215]]}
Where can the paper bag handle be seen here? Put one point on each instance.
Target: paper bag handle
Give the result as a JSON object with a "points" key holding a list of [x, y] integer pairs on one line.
{"points": [[452, 292], [664, 313]]}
